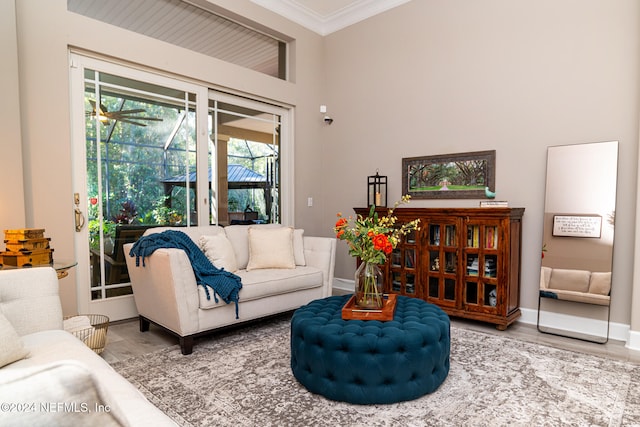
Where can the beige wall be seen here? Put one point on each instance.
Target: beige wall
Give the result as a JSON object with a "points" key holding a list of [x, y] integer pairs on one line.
{"points": [[428, 77], [448, 76], [11, 188]]}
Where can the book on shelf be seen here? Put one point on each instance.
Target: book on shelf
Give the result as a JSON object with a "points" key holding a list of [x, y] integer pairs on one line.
{"points": [[491, 236], [395, 257], [409, 259], [435, 235], [473, 236], [490, 267], [494, 203], [472, 267], [450, 233]]}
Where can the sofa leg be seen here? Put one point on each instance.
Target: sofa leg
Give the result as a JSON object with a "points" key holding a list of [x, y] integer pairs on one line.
{"points": [[144, 324], [186, 345]]}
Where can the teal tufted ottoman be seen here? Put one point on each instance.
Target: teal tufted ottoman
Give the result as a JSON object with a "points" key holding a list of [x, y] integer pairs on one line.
{"points": [[368, 362]]}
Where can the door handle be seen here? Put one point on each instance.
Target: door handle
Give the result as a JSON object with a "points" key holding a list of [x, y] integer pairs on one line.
{"points": [[78, 216]]}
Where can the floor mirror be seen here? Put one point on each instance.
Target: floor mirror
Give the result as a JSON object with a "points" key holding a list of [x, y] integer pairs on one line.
{"points": [[577, 246]]}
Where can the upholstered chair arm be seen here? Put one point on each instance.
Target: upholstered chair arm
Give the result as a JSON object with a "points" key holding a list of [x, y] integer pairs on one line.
{"points": [[165, 289], [545, 277], [320, 252]]}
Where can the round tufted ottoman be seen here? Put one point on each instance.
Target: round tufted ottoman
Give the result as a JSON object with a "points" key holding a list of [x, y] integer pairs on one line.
{"points": [[368, 362]]}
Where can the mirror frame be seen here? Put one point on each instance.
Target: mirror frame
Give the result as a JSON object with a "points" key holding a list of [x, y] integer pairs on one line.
{"points": [[578, 231]]}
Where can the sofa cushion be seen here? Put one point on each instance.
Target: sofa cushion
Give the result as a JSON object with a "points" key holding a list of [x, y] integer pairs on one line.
{"points": [[219, 251], [30, 311], [258, 284], [600, 283], [11, 348], [570, 280], [238, 235], [270, 248]]}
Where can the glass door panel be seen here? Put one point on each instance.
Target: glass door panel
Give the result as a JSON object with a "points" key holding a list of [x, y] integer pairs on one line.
{"points": [[139, 158], [443, 262], [434, 288], [410, 286], [450, 289], [481, 263], [471, 293], [247, 146]]}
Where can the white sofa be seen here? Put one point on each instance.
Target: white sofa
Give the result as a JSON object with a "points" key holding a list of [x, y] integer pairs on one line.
{"points": [[575, 285], [48, 376], [166, 293]]}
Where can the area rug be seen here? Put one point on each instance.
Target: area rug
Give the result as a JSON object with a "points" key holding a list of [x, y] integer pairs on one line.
{"points": [[243, 378]]}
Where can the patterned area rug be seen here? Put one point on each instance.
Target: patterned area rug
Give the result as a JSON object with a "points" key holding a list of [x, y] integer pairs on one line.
{"points": [[243, 378]]}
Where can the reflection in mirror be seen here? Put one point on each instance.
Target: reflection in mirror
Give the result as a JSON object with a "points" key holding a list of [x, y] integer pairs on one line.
{"points": [[577, 251]]}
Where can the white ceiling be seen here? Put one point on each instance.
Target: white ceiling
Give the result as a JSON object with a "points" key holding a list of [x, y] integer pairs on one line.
{"points": [[327, 16]]}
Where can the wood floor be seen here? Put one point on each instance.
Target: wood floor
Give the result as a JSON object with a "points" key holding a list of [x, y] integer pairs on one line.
{"points": [[124, 340]]}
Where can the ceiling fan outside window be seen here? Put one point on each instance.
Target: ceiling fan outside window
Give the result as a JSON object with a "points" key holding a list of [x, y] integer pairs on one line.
{"points": [[125, 116]]}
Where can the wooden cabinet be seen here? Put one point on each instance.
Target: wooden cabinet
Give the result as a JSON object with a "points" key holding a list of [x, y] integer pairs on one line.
{"points": [[465, 260]]}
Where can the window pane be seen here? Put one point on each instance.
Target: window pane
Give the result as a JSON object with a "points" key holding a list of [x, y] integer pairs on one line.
{"points": [[248, 164]]}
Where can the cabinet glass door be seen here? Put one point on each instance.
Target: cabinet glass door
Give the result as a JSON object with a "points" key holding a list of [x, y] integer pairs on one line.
{"points": [[403, 268], [443, 262], [481, 291]]}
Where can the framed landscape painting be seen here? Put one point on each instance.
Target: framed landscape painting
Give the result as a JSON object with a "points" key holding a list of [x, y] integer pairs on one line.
{"points": [[449, 176]]}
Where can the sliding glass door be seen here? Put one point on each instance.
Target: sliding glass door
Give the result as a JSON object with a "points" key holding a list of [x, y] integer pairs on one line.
{"points": [[153, 151]]}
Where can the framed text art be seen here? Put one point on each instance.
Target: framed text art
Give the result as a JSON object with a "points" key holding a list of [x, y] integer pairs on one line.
{"points": [[577, 226], [449, 176]]}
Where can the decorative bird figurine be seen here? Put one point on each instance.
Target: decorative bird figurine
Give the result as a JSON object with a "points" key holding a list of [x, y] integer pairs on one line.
{"points": [[490, 194]]}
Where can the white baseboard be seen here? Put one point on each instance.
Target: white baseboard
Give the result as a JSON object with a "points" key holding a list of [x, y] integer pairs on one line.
{"points": [[578, 325], [571, 324], [633, 343], [344, 284]]}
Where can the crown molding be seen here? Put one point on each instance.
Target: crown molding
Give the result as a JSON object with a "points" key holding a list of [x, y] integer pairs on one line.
{"points": [[356, 11]]}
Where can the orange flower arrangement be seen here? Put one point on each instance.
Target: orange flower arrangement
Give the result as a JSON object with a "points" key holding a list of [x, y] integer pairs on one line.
{"points": [[373, 237]]}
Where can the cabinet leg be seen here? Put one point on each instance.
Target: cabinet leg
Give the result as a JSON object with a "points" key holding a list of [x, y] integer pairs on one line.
{"points": [[501, 327]]}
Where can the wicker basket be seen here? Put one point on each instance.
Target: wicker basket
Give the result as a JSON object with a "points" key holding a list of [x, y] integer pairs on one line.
{"points": [[94, 337]]}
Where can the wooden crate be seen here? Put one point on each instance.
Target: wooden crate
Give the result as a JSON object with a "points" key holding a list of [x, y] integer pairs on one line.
{"points": [[27, 245], [24, 233], [27, 259]]}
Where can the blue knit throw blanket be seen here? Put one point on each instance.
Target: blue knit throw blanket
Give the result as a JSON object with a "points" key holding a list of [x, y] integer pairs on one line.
{"points": [[224, 283]]}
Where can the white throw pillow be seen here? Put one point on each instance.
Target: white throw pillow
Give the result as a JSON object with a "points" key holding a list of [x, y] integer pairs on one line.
{"points": [[298, 247], [11, 348], [271, 248], [219, 251]]}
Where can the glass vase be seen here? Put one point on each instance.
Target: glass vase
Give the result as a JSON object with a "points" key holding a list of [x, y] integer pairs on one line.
{"points": [[368, 281]]}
